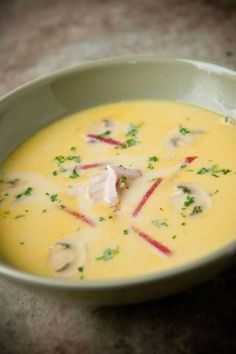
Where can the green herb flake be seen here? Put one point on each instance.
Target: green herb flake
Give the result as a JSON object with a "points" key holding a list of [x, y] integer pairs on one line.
{"points": [[44, 210], [53, 197], [60, 159], [19, 216], [188, 201], [132, 130], [101, 219], [213, 170], [22, 243], [151, 161], [80, 269], [160, 223], [123, 179], [125, 232], [107, 132], [183, 130], [73, 148], [108, 254], [197, 209], [27, 193], [74, 174], [215, 192], [131, 142], [173, 237]]}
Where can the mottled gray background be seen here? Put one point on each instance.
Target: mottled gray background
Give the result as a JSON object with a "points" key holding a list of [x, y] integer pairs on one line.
{"points": [[39, 36]]}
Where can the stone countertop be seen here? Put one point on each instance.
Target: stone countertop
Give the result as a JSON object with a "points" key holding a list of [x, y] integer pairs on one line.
{"points": [[40, 36]]}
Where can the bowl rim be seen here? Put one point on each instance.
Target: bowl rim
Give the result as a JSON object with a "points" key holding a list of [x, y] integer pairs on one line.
{"points": [[228, 250]]}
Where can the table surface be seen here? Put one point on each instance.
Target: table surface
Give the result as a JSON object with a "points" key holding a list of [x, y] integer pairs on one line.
{"points": [[40, 36]]}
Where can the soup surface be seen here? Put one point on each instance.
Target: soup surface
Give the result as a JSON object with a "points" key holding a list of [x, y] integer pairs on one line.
{"points": [[120, 190]]}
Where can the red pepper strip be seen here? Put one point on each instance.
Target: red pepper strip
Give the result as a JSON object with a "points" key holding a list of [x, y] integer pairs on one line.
{"points": [[190, 159], [146, 196], [90, 165], [80, 216], [162, 248], [105, 140]]}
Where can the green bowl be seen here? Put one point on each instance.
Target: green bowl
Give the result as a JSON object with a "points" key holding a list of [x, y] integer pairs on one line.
{"points": [[41, 102]]}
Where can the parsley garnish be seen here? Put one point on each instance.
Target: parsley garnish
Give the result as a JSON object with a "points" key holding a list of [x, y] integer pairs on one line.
{"points": [[197, 209], [101, 219], [19, 216], [151, 161], [125, 232], [53, 197], [73, 148], [123, 179], [108, 254], [107, 132], [132, 130], [160, 223], [183, 130], [188, 201], [131, 142], [27, 193], [213, 170], [74, 174]]}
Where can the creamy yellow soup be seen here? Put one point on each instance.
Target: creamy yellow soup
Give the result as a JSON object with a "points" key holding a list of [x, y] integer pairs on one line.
{"points": [[120, 190]]}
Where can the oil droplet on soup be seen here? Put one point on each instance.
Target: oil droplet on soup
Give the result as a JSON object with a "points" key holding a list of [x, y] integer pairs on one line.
{"points": [[120, 190]]}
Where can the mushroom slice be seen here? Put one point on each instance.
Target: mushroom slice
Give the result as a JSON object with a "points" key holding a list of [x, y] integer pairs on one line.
{"points": [[66, 256], [190, 199], [181, 136], [104, 187]]}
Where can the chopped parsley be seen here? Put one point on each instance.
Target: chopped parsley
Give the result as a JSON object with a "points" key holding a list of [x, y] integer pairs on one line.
{"points": [[53, 197], [107, 132], [183, 130], [125, 232], [80, 269], [61, 159], [73, 148], [132, 130], [213, 170], [123, 179], [74, 174], [101, 219], [197, 209], [174, 237], [19, 216], [22, 243], [27, 193], [151, 161], [131, 142], [188, 201], [160, 223], [215, 192], [108, 254], [44, 210]]}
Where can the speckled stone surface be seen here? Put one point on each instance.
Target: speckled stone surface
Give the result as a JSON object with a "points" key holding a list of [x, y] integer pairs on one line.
{"points": [[39, 36]]}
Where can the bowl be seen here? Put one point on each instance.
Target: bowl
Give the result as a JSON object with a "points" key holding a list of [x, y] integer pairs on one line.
{"points": [[41, 102]]}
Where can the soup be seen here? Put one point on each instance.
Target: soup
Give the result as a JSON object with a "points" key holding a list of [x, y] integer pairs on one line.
{"points": [[120, 190]]}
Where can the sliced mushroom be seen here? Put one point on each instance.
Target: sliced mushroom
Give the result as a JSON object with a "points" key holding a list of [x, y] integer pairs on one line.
{"points": [[190, 199], [181, 136], [66, 256], [105, 186]]}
